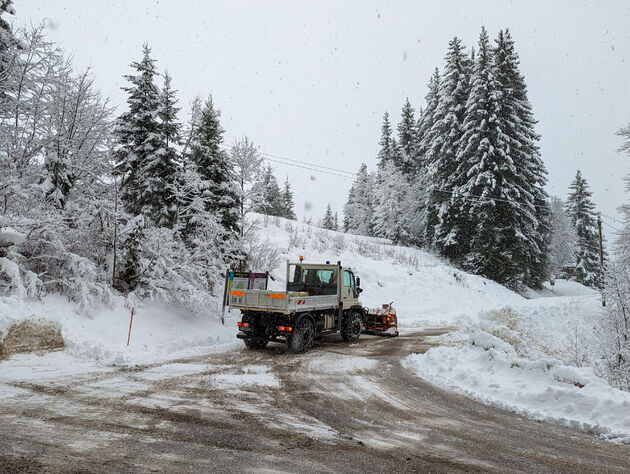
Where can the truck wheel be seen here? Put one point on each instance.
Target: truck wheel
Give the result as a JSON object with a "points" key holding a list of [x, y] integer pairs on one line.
{"points": [[251, 344], [302, 337], [351, 327]]}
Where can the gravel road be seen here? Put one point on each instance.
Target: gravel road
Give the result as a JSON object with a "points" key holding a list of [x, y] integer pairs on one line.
{"points": [[339, 408]]}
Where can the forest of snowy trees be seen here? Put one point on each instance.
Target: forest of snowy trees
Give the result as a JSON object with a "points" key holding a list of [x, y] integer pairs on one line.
{"points": [[95, 202], [464, 177]]}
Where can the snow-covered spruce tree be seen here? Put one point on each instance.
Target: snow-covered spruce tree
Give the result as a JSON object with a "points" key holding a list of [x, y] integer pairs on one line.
{"points": [[248, 165], [564, 238], [214, 167], [8, 51], [407, 140], [389, 148], [421, 185], [287, 201], [391, 200], [359, 209], [444, 207], [477, 179], [328, 221], [146, 168], [267, 194], [427, 119], [336, 222], [538, 264], [165, 169], [509, 243], [581, 212]]}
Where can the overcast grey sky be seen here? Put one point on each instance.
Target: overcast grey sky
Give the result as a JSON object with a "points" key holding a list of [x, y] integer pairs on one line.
{"points": [[311, 80]]}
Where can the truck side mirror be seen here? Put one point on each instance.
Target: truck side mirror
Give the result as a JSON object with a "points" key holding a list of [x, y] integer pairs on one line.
{"points": [[358, 281]]}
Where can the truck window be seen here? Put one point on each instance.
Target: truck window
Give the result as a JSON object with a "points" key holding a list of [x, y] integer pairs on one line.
{"points": [[328, 277], [346, 278]]}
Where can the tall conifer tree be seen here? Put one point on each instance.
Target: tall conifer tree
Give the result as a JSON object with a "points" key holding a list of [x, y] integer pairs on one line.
{"points": [[407, 140], [444, 137], [214, 167], [581, 211]]}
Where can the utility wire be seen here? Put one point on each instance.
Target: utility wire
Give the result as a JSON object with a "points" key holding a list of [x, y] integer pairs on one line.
{"points": [[611, 226], [310, 169], [309, 164], [303, 164]]}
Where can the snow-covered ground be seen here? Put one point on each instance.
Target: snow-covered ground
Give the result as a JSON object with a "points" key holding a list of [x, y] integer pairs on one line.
{"points": [[532, 358], [158, 331], [527, 355]]}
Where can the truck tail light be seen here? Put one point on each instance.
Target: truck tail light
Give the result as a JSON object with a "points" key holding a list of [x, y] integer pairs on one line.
{"points": [[284, 328], [241, 324]]}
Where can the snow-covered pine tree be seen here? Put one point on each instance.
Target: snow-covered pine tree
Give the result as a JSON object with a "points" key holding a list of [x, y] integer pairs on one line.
{"points": [[336, 222], [359, 209], [391, 199], [58, 178], [538, 266], [164, 169], [581, 211], [247, 166], [267, 193], [213, 165], [562, 248], [348, 209], [513, 254], [389, 148], [421, 186], [287, 201], [445, 203], [427, 119], [7, 48], [138, 161], [407, 140], [478, 177], [328, 221]]}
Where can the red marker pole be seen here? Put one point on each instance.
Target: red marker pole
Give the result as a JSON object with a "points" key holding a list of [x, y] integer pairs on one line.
{"points": [[130, 322]]}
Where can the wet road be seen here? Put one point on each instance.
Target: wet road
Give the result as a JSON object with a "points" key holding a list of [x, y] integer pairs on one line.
{"points": [[338, 408]]}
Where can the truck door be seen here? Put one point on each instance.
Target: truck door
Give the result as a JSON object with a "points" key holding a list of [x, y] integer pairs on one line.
{"points": [[348, 292]]}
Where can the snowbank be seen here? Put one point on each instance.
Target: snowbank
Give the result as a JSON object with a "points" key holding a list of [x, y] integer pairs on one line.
{"points": [[533, 359], [159, 331]]}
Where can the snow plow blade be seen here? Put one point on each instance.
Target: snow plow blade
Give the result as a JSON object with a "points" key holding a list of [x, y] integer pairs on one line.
{"points": [[381, 321]]}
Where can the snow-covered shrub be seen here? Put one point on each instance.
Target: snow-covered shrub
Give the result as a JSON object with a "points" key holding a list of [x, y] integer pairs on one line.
{"points": [[260, 255], [338, 242]]}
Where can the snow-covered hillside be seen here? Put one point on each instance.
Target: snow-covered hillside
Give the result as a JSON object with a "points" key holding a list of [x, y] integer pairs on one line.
{"points": [[425, 289]]}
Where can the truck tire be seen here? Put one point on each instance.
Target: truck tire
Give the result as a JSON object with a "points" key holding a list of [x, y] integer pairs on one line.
{"points": [[254, 345], [351, 327], [302, 337]]}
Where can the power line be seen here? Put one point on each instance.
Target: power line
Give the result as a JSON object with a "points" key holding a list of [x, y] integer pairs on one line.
{"points": [[304, 165], [310, 169], [309, 164], [611, 226]]}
